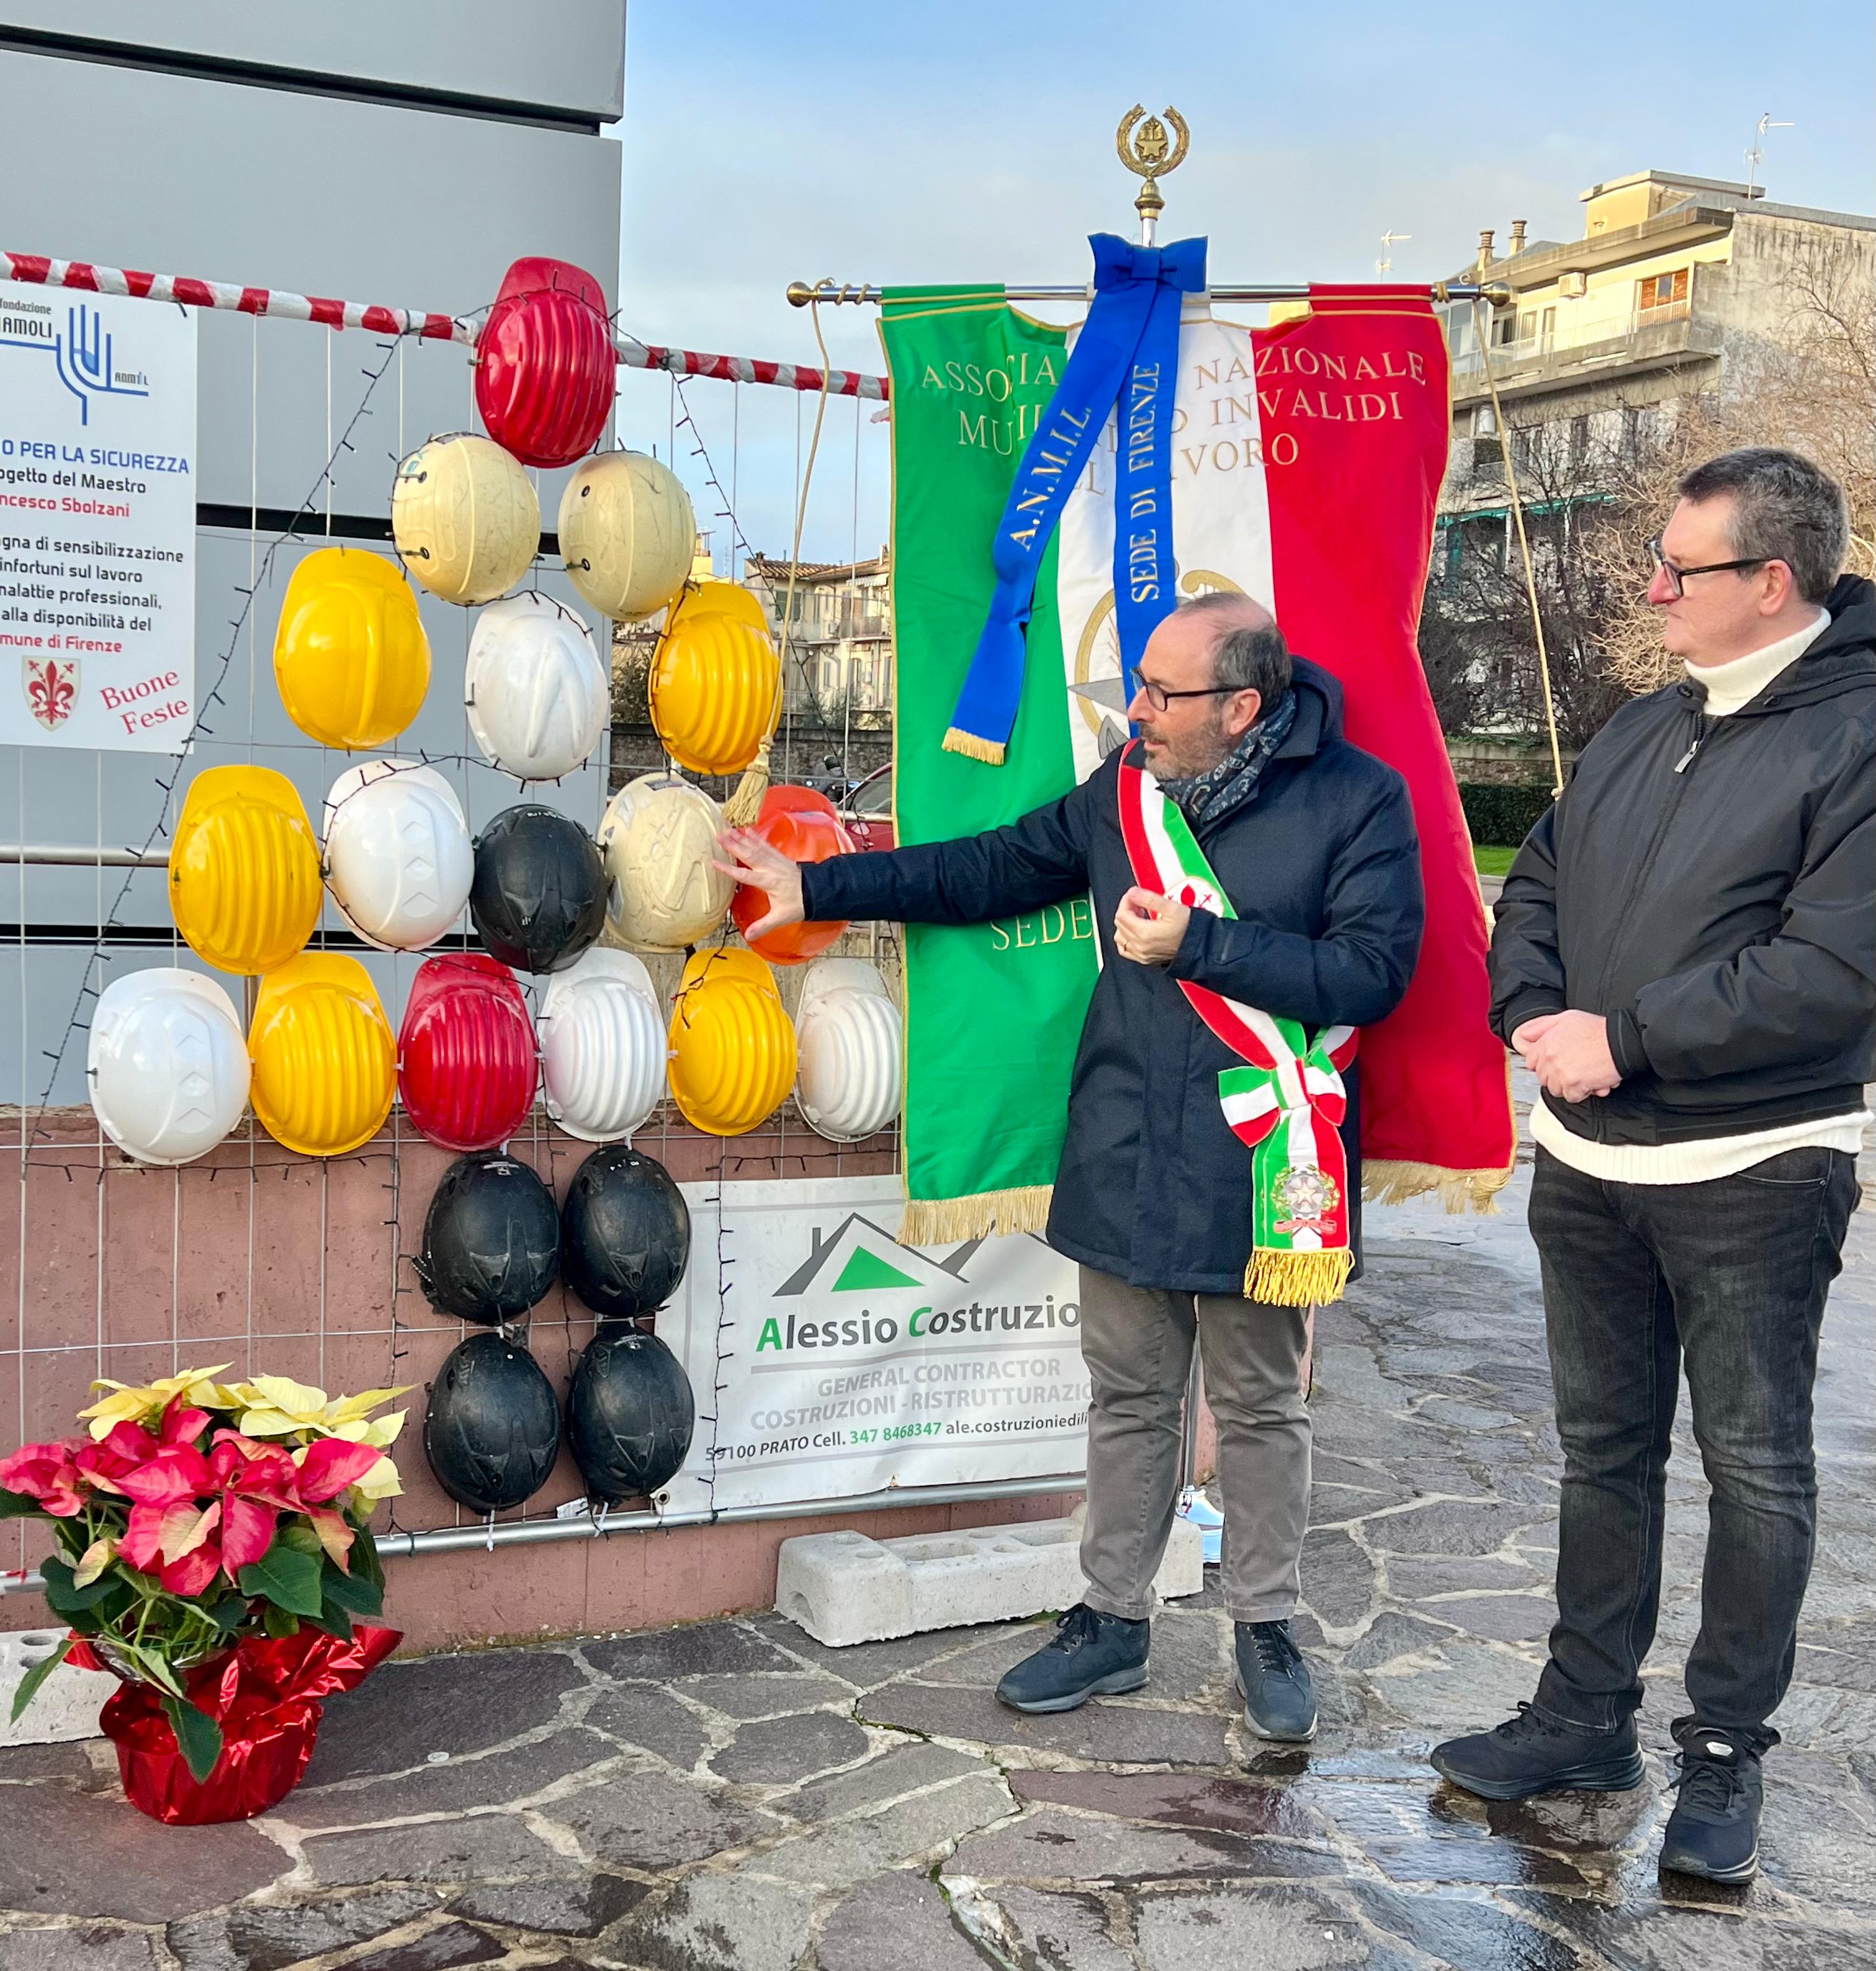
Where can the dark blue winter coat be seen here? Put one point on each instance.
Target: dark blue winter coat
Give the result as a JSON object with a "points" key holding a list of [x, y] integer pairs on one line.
{"points": [[1323, 866]]}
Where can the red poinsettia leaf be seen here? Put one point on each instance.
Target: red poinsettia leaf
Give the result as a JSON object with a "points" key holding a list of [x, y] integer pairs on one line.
{"points": [[335, 1535], [247, 1531], [191, 1574], [182, 1423], [332, 1463], [141, 1546], [177, 1472]]}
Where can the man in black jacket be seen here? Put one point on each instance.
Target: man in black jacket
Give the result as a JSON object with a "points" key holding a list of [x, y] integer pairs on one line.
{"points": [[1313, 840], [1685, 954]]}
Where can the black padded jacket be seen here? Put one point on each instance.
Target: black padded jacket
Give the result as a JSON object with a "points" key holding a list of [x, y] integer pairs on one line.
{"points": [[1709, 885]]}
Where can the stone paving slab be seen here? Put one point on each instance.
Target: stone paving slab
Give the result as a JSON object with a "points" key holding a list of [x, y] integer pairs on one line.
{"points": [[733, 1796]]}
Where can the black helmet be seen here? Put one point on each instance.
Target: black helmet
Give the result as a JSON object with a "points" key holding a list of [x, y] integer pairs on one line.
{"points": [[538, 899], [492, 1431], [629, 1414], [491, 1240], [625, 1232]]}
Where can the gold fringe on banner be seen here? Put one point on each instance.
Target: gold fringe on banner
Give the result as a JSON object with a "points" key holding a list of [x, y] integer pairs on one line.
{"points": [[1458, 1190], [947, 1221], [957, 740], [1297, 1279]]}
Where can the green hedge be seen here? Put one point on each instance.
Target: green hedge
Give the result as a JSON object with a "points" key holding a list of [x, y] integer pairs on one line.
{"points": [[1501, 816]]}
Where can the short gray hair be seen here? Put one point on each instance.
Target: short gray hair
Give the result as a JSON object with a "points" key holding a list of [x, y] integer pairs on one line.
{"points": [[1247, 656], [1784, 509]]}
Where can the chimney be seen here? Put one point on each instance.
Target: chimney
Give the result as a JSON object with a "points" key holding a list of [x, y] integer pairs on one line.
{"points": [[1517, 237], [1485, 248]]}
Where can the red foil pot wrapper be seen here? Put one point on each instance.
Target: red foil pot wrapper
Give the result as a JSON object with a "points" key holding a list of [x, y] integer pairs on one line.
{"points": [[265, 1694]]}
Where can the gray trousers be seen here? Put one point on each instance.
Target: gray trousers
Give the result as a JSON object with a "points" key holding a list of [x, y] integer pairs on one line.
{"points": [[1137, 1342]]}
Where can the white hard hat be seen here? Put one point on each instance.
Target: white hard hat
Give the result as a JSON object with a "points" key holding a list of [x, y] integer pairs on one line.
{"points": [[850, 1040], [399, 862], [168, 1065], [537, 693], [603, 1045], [659, 840]]}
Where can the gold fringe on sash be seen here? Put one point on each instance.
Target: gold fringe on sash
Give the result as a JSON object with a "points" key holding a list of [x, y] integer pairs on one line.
{"points": [[1297, 1279], [947, 1221], [1458, 1190], [957, 740]]}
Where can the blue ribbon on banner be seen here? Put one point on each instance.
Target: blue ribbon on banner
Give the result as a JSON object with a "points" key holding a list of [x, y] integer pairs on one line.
{"points": [[1127, 352]]}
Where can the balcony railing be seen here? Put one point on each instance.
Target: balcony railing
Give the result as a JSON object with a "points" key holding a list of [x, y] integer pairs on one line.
{"points": [[1600, 335]]}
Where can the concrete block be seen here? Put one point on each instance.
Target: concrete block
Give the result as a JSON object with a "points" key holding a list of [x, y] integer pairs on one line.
{"points": [[843, 1587], [66, 1706]]}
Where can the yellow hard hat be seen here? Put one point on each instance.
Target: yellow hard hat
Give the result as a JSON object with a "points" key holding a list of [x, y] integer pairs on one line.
{"points": [[350, 657], [714, 682], [726, 598], [244, 881], [626, 531], [465, 518], [732, 1047], [325, 1060]]}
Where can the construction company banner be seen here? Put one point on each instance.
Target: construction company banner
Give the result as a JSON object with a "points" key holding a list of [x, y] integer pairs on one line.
{"points": [[97, 521], [844, 1362], [1306, 460]]}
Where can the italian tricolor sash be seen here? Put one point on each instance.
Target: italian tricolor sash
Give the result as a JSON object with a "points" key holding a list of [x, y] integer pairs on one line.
{"points": [[1285, 1105]]}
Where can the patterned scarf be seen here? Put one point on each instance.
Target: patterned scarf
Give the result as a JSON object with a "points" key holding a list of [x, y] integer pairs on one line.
{"points": [[1221, 789]]}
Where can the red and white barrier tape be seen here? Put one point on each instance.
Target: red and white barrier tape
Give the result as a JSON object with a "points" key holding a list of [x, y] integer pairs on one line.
{"points": [[748, 370], [39, 270]]}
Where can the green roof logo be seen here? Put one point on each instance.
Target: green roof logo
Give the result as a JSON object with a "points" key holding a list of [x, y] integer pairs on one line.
{"points": [[866, 1270]]}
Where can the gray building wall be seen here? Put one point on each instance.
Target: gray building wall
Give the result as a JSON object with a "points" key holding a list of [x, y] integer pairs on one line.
{"points": [[403, 154]]}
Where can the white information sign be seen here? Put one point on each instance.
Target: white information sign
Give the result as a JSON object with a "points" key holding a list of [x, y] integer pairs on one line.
{"points": [[848, 1363], [97, 521]]}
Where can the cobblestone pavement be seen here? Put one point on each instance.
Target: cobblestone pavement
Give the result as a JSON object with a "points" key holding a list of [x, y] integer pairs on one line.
{"points": [[734, 1795]]}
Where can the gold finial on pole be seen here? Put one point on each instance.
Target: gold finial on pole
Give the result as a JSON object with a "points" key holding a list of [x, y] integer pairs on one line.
{"points": [[1147, 151]]}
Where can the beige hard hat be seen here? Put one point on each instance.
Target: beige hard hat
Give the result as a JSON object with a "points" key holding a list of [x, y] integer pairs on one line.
{"points": [[626, 530], [465, 518], [659, 837]]}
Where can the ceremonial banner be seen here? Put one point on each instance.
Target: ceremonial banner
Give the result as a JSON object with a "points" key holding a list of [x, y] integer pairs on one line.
{"points": [[845, 1363], [1306, 460], [993, 1011]]}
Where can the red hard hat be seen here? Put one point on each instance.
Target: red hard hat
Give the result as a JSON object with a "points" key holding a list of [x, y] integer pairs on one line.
{"points": [[805, 827], [467, 1066], [544, 364]]}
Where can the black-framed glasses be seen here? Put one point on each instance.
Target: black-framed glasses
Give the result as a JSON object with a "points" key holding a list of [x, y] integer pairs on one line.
{"points": [[1159, 697], [1678, 576]]}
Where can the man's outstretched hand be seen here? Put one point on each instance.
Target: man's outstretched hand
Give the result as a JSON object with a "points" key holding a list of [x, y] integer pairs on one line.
{"points": [[748, 859]]}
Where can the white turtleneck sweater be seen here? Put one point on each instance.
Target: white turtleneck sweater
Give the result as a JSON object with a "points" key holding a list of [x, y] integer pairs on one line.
{"points": [[1728, 687]]}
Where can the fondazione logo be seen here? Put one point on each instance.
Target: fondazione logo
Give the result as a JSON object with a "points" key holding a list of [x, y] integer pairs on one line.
{"points": [[860, 1288]]}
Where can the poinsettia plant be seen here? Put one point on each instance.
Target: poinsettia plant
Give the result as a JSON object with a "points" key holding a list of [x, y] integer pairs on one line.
{"points": [[195, 1513]]}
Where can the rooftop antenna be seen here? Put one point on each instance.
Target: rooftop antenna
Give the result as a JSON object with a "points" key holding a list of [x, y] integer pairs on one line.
{"points": [[1385, 264], [1755, 152]]}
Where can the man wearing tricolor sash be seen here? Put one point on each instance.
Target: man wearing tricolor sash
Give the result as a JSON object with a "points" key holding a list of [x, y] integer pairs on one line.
{"points": [[1255, 882]]}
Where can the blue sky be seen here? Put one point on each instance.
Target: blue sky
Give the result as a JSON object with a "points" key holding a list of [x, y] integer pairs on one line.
{"points": [[975, 141]]}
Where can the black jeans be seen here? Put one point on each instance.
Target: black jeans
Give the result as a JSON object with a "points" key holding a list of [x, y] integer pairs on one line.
{"points": [[1732, 1276]]}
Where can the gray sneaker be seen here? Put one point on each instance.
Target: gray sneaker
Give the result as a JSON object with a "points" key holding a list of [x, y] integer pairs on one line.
{"points": [[1274, 1681], [1091, 1654]]}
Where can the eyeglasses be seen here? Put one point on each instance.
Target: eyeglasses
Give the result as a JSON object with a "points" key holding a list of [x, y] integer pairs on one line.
{"points": [[1159, 697], [1678, 576]]}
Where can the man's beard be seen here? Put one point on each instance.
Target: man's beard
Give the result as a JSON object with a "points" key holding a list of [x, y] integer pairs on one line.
{"points": [[1198, 753]]}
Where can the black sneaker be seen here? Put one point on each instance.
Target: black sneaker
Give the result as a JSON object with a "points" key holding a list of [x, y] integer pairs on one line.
{"points": [[1531, 1753], [1714, 1830], [1274, 1681], [1091, 1654]]}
